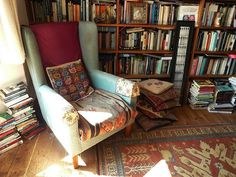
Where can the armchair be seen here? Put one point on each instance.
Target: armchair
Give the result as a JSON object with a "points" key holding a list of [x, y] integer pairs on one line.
{"points": [[53, 44]]}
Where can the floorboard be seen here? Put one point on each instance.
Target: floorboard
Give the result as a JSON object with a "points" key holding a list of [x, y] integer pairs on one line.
{"points": [[44, 155]]}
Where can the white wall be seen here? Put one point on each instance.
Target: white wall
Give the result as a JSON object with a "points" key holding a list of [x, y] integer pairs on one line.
{"points": [[11, 74]]}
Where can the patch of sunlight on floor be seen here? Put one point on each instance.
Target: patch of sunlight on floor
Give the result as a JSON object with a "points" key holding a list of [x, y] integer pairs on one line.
{"points": [[160, 169], [65, 168], [68, 159]]}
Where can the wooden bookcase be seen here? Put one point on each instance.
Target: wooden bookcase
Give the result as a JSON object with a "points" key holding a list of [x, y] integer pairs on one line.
{"points": [[210, 27], [119, 25]]}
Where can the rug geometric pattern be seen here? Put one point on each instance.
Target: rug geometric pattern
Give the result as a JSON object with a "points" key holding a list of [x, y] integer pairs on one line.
{"points": [[188, 151]]}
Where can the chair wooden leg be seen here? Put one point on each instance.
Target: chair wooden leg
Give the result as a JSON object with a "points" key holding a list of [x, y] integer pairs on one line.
{"points": [[75, 161], [128, 130]]}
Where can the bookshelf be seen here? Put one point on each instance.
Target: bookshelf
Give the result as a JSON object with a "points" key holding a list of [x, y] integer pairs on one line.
{"points": [[215, 21], [114, 19], [117, 19]]}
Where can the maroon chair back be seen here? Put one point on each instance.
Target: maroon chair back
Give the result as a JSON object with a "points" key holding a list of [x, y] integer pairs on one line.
{"points": [[58, 42]]}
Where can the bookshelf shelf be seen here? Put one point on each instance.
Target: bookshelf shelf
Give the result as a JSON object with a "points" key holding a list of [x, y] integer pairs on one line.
{"points": [[145, 51], [217, 28], [164, 27], [143, 76], [214, 52], [210, 76], [107, 24], [107, 51]]}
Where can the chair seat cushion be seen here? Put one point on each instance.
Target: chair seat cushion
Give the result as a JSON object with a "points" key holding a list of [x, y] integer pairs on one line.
{"points": [[102, 112]]}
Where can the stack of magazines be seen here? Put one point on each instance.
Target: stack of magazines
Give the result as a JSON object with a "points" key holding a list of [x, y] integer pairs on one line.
{"points": [[20, 106], [9, 137], [201, 94]]}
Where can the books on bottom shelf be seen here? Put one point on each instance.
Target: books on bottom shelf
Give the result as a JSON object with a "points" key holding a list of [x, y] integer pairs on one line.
{"points": [[146, 64]]}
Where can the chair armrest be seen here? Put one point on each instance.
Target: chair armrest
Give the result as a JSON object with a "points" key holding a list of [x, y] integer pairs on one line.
{"points": [[61, 117], [108, 82]]}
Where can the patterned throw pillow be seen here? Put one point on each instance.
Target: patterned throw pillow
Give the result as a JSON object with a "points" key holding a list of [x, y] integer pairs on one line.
{"points": [[150, 111], [159, 99], [70, 80], [155, 86]]}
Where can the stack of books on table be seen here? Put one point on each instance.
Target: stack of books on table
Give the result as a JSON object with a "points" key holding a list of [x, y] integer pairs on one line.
{"points": [[9, 137], [232, 81], [20, 106], [201, 94]]}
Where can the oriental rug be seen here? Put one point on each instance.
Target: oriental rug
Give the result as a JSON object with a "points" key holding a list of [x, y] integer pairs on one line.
{"points": [[174, 151]]}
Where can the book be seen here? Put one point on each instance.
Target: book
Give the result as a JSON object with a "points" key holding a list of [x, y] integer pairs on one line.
{"points": [[4, 117], [203, 83], [21, 98], [10, 90]]}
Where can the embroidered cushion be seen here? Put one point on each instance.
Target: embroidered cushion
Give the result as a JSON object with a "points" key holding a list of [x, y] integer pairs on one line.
{"points": [[159, 99], [155, 86], [150, 111], [70, 80], [148, 124]]}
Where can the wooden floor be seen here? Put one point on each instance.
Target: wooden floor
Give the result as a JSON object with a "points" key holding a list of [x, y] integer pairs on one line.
{"points": [[44, 156]]}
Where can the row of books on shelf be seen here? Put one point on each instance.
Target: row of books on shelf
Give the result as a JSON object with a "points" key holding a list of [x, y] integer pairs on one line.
{"points": [[106, 37], [219, 14], [73, 10], [19, 122], [216, 41], [145, 39], [146, 64], [107, 63], [213, 64], [151, 12], [217, 96]]}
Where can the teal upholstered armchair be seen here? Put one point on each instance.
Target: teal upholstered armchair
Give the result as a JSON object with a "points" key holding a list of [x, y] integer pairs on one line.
{"points": [[81, 123]]}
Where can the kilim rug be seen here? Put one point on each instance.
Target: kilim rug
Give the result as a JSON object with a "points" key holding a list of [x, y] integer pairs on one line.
{"points": [[201, 151]]}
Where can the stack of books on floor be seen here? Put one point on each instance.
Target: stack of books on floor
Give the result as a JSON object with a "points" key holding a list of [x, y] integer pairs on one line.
{"points": [[232, 81], [201, 94], [222, 99], [20, 106], [154, 105], [9, 137]]}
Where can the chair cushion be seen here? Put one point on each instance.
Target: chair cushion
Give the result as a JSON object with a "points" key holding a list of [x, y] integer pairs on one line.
{"points": [[102, 112], [58, 42], [150, 111], [155, 86], [158, 99], [70, 80]]}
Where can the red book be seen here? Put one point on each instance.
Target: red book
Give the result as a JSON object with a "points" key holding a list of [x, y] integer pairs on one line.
{"points": [[194, 67], [7, 133], [208, 41], [232, 56]]}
